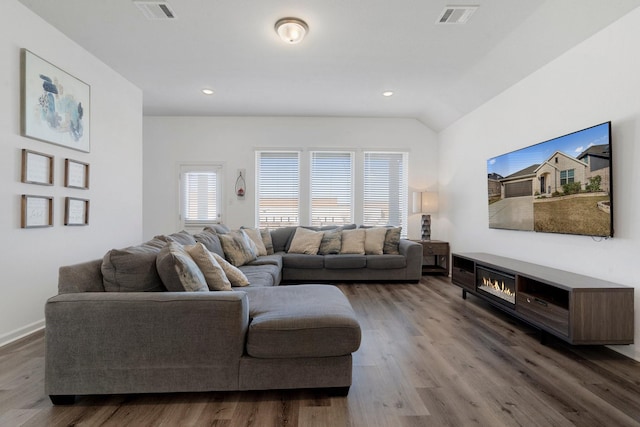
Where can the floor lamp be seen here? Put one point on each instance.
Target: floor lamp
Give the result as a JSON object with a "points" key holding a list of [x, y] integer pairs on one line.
{"points": [[426, 203]]}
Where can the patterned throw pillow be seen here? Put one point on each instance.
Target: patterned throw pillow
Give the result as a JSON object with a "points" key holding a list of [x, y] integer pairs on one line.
{"points": [[266, 239], [235, 276], [237, 247], [211, 269], [178, 270], [331, 242], [353, 241], [256, 237], [392, 241], [374, 240], [305, 242]]}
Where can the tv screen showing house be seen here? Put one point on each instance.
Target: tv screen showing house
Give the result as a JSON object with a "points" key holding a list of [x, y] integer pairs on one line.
{"points": [[558, 186]]}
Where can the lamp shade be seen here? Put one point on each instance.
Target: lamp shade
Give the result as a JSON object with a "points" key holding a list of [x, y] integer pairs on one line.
{"points": [[425, 202]]}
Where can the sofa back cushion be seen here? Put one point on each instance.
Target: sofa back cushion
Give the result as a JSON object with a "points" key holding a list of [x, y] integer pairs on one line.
{"points": [[210, 240], [281, 238], [131, 270]]}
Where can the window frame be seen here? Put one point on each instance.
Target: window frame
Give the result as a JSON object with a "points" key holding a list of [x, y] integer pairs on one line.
{"points": [[351, 191], [259, 190], [186, 168]]}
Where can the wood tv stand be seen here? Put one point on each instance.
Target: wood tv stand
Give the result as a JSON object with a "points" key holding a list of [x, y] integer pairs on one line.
{"points": [[575, 308]]}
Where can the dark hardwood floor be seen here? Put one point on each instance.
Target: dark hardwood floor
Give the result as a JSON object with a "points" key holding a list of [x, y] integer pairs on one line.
{"points": [[428, 358]]}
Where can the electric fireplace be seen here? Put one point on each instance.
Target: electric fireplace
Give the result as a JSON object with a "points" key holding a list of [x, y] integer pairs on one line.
{"points": [[498, 285]]}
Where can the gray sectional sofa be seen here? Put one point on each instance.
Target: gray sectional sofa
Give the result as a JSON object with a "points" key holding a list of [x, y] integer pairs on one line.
{"points": [[106, 338]]}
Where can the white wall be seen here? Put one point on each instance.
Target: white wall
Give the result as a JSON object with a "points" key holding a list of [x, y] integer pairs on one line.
{"points": [[29, 258], [233, 140], [592, 83]]}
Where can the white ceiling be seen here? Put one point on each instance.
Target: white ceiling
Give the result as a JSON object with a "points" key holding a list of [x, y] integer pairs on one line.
{"points": [[354, 51]]}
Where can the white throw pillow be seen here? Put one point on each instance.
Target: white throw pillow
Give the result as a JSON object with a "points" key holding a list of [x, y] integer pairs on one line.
{"points": [[374, 240], [234, 274], [353, 241], [305, 242], [256, 238], [213, 272]]}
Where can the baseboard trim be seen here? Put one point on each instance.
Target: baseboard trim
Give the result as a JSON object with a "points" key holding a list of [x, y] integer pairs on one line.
{"points": [[19, 333]]}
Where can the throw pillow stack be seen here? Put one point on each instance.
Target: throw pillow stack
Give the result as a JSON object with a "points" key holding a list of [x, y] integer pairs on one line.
{"points": [[360, 241]]}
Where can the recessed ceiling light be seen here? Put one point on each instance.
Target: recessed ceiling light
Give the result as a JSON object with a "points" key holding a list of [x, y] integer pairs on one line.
{"points": [[387, 93], [207, 91]]}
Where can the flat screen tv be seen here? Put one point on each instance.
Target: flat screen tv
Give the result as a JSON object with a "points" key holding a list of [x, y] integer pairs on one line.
{"points": [[562, 185]]}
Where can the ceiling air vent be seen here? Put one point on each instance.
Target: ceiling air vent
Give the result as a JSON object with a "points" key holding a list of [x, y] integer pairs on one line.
{"points": [[456, 14], [155, 9]]}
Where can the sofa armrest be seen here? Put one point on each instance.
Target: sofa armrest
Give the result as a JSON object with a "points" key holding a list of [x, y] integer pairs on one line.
{"points": [[113, 331], [413, 253]]}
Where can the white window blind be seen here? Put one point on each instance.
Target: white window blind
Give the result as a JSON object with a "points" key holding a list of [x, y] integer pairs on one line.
{"points": [[331, 188], [385, 189], [200, 195], [278, 195]]}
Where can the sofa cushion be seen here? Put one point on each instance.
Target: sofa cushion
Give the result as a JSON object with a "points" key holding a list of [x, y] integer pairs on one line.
{"points": [[182, 237], [392, 241], [218, 228], [238, 248], [374, 240], [353, 241], [301, 321], [268, 260], [281, 238], [131, 270], [178, 270], [235, 276], [211, 269], [336, 262], [331, 242], [302, 261], [305, 241], [210, 240], [260, 275], [386, 262]]}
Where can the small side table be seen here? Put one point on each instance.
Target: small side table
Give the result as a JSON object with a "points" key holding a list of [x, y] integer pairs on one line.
{"points": [[435, 257]]}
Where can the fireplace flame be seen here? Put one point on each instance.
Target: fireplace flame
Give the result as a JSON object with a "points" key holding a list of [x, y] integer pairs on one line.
{"points": [[498, 286]]}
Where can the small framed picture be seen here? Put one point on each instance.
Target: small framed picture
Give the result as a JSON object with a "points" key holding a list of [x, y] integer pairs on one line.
{"points": [[76, 211], [37, 168], [76, 174], [37, 211]]}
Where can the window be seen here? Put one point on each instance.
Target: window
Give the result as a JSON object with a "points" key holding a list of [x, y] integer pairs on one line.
{"points": [[566, 176], [385, 189], [278, 195], [331, 188], [200, 194]]}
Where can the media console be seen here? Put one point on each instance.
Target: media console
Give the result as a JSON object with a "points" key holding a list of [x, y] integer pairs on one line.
{"points": [[575, 308]]}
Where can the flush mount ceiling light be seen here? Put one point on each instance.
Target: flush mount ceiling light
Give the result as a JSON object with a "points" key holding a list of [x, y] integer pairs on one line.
{"points": [[387, 93], [291, 30], [207, 91]]}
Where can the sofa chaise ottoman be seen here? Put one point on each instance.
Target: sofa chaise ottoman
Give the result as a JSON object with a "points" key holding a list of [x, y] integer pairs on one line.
{"points": [[152, 342]]}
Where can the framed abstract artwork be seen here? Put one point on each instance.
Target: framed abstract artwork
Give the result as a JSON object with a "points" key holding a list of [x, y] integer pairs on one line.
{"points": [[56, 107]]}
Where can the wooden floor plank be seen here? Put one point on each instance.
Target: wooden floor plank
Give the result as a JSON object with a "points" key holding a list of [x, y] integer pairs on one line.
{"points": [[428, 358]]}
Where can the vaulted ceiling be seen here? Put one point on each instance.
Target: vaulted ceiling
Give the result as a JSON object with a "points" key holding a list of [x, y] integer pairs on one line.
{"points": [[355, 50]]}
